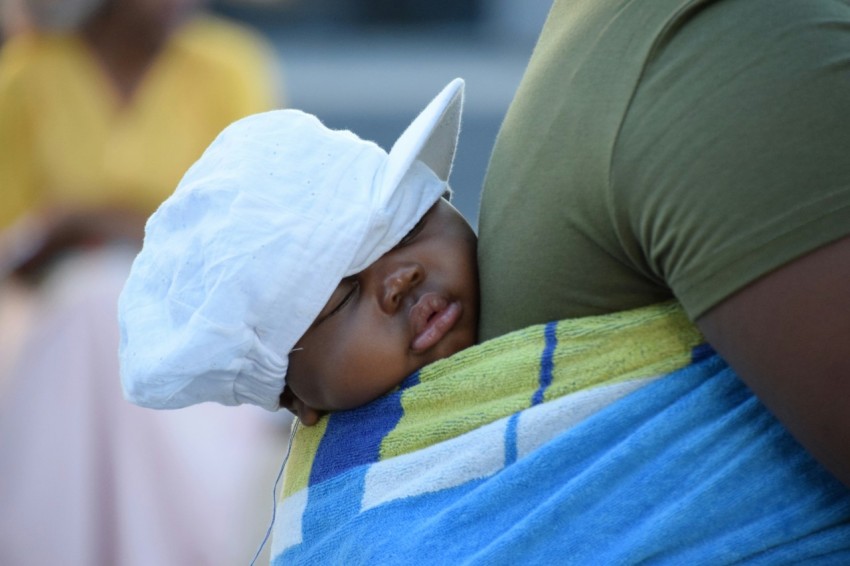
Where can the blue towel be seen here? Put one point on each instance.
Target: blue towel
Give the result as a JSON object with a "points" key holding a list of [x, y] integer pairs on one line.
{"points": [[679, 467]]}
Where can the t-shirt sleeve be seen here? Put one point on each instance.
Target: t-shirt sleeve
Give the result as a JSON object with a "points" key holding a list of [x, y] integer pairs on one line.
{"points": [[734, 156]]}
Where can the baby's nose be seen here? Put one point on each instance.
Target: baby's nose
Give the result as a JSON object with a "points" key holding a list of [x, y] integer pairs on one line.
{"points": [[398, 282]]}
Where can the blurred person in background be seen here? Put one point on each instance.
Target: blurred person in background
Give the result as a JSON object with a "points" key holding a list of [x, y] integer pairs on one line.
{"points": [[107, 117], [13, 18], [104, 104]]}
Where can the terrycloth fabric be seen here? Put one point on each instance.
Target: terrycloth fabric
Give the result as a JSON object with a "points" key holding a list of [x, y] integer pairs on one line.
{"points": [[608, 440]]}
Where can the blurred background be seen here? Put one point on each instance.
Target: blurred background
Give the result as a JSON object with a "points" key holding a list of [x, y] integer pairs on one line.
{"points": [[103, 105], [371, 65]]}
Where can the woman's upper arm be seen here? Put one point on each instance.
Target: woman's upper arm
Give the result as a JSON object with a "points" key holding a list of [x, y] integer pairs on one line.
{"points": [[787, 335], [732, 173]]}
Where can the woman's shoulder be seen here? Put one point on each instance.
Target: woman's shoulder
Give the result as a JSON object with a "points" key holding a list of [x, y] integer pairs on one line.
{"points": [[207, 35], [32, 52]]}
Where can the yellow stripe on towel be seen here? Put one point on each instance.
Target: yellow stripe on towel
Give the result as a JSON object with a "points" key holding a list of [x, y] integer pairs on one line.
{"points": [[499, 377]]}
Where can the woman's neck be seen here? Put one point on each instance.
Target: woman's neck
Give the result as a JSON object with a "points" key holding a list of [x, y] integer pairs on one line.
{"points": [[124, 46]]}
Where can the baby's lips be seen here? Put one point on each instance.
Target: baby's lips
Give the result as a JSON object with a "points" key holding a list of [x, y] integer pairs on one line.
{"points": [[432, 317], [422, 310]]}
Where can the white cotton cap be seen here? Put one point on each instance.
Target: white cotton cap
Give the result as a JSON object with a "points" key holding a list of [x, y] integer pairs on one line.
{"points": [[241, 259]]}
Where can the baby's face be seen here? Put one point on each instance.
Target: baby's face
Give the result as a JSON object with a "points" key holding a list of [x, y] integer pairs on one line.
{"points": [[416, 304]]}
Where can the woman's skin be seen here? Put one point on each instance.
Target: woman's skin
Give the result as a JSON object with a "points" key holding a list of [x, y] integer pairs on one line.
{"points": [[787, 336]]}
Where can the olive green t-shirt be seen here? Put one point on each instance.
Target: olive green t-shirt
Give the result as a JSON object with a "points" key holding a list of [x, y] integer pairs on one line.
{"points": [[665, 148]]}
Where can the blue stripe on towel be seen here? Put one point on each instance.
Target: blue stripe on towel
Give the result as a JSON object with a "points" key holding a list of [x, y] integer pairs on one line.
{"points": [[351, 441], [354, 437], [546, 362], [701, 352], [547, 366], [511, 439]]}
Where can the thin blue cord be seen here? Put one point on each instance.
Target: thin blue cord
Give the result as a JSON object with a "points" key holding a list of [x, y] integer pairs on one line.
{"points": [[274, 493]]}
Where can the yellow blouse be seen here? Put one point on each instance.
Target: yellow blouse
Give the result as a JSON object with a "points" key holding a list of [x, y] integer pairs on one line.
{"points": [[67, 138]]}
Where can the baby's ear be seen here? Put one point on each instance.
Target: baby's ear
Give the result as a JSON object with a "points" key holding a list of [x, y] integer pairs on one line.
{"points": [[308, 415], [292, 403]]}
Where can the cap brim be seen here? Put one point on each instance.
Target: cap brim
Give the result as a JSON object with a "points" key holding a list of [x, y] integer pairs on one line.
{"points": [[431, 138]]}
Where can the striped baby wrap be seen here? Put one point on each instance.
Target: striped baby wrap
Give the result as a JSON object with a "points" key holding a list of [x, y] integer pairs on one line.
{"points": [[607, 440]]}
